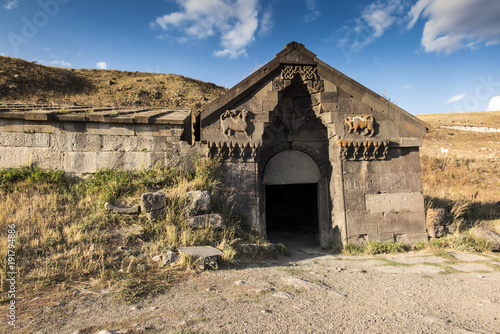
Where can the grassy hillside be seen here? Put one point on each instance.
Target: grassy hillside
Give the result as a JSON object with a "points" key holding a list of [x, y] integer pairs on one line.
{"points": [[466, 176], [23, 81]]}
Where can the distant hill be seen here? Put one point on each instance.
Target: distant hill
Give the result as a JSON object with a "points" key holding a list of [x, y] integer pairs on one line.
{"points": [[464, 135], [24, 81]]}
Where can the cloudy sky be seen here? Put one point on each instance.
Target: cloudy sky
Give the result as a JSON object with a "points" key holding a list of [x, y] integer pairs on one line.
{"points": [[427, 56]]}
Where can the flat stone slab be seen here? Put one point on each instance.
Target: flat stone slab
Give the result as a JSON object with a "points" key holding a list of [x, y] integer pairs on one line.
{"points": [[467, 257], [469, 267], [200, 251], [416, 259]]}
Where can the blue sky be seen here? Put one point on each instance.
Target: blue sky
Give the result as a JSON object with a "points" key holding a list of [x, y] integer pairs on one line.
{"points": [[427, 56]]}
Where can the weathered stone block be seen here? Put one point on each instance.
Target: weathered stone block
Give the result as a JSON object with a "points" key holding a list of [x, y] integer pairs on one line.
{"points": [[395, 202], [156, 215], [412, 238], [380, 237], [45, 158], [362, 222], [14, 156], [491, 237], [62, 141], [402, 222], [87, 143], [119, 143], [152, 201], [199, 202], [79, 162], [110, 129], [213, 220]]}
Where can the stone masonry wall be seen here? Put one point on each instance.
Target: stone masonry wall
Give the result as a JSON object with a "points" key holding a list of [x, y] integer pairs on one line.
{"points": [[383, 199], [85, 147]]}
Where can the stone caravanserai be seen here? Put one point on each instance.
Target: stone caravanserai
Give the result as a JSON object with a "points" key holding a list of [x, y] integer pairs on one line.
{"points": [[302, 147]]}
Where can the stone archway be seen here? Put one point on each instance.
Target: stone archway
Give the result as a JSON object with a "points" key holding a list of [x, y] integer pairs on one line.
{"points": [[295, 196]]}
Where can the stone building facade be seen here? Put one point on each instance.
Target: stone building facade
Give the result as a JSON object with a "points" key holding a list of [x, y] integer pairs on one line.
{"points": [[304, 144], [301, 145]]}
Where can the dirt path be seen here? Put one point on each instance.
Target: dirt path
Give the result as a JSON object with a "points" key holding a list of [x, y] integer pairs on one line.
{"points": [[310, 291]]}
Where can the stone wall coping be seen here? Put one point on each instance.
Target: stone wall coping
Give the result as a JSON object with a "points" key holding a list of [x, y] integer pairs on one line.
{"points": [[45, 112]]}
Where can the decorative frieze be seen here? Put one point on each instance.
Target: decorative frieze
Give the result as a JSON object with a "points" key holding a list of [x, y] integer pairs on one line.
{"points": [[230, 151], [306, 72], [363, 149]]}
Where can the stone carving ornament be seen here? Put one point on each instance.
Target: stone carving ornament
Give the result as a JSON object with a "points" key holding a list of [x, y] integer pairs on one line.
{"points": [[363, 149], [361, 123], [235, 121]]}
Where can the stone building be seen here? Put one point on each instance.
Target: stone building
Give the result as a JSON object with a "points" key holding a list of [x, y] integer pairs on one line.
{"points": [[302, 146]]}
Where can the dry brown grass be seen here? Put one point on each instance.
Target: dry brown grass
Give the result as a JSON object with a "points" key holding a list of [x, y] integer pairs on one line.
{"points": [[64, 235], [467, 179], [27, 82]]}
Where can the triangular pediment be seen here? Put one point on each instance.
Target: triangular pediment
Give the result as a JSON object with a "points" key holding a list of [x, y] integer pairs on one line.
{"points": [[340, 96]]}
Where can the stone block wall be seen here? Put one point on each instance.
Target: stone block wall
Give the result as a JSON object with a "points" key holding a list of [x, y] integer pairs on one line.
{"points": [[86, 147], [383, 199]]}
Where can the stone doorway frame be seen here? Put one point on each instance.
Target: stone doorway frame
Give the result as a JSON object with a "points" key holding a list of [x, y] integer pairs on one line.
{"points": [[323, 195]]}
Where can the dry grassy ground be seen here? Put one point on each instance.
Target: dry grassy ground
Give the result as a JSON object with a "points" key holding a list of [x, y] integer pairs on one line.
{"points": [[23, 81], [468, 173]]}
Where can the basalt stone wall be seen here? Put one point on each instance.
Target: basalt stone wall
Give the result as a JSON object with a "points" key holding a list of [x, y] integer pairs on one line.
{"points": [[79, 147], [383, 199]]}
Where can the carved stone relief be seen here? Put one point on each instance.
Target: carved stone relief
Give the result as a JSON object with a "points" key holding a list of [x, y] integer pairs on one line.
{"points": [[363, 149], [304, 73], [235, 121], [229, 151], [365, 124]]}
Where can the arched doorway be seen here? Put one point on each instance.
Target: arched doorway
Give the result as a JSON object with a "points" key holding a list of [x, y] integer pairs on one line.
{"points": [[292, 192]]}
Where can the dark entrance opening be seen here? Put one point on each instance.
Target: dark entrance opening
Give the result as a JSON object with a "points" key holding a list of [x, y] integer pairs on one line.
{"points": [[292, 212]]}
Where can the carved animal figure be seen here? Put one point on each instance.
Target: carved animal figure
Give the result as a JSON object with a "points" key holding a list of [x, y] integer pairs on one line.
{"points": [[364, 123], [236, 121]]}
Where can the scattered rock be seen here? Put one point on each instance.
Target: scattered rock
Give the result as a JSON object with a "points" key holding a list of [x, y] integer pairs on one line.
{"points": [[121, 208], [152, 201], [213, 220], [435, 231], [205, 255], [488, 235], [105, 331], [156, 214], [199, 201], [76, 293], [169, 257], [439, 223], [283, 295], [240, 282]]}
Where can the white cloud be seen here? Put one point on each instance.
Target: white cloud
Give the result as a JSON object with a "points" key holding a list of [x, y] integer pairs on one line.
{"points": [[266, 22], [375, 19], [234, 21], [60, 63], [313, 12], [494, 104], [456, 98], [11, 4], [101, 65], [454, 25], [407, 87]]}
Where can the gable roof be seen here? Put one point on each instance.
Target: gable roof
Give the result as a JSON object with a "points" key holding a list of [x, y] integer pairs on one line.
{"points": [[296, 53]]}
